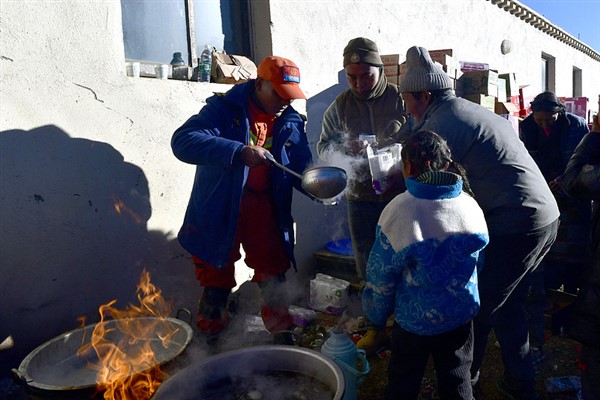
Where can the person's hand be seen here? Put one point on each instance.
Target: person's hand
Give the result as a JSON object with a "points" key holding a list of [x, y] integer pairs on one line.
{"points": [[253, 156], [596, 124], [359, 147], [555, 185]]}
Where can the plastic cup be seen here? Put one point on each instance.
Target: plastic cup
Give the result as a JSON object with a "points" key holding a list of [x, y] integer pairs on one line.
{"points": [[162, 71], [133, 69]]}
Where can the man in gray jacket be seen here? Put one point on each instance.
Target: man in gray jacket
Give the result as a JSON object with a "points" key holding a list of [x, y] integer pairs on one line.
{"points": [[519, 208]]}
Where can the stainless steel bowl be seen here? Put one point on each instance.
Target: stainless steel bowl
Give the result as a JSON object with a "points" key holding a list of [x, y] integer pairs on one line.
{"points": [[324, 182], [57, 364]]}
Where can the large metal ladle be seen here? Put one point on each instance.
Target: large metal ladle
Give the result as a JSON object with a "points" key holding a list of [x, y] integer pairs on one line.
{"points": [[323, 183]]}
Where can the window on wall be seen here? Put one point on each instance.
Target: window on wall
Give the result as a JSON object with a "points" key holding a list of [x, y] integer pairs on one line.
{"points": [[548, 73], [154, 30], [577, 85]]}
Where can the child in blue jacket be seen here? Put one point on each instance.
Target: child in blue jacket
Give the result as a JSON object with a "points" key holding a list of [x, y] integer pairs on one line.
{"points": [[422, 270]]}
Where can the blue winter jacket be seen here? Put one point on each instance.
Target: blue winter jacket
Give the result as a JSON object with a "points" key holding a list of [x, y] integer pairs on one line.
{"points": [[422, 268], [212, 140]]}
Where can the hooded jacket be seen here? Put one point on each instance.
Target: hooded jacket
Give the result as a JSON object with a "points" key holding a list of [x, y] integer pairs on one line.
{"points": [[422, 268], [213, 140]]}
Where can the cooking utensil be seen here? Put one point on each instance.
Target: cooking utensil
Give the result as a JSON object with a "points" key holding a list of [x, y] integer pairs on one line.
{"points": [[57, 366], [240, 366], [323, 183]]}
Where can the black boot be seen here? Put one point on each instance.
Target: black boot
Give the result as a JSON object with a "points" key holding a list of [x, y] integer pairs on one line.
{"points": [[212, 313]]}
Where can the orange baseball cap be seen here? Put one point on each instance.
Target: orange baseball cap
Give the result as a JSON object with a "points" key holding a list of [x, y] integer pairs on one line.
{"points": [[284, 75]]}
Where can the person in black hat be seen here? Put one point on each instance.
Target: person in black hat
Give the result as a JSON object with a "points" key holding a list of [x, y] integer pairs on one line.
{"points": [[519, 208], [371, 106], [551, 134]]}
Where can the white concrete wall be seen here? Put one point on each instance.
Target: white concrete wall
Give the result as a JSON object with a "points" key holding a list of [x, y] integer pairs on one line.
{"points": [[77, 137]]}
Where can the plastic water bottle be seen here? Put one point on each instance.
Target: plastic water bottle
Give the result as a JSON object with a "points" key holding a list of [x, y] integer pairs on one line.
{"points": [[205, 64]]}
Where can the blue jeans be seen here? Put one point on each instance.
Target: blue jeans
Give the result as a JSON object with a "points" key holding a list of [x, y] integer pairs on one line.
{"points": [[503, 285]]}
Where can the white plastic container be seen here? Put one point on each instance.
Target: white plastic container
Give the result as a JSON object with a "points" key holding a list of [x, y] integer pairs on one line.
{"points": [[328, 294]]}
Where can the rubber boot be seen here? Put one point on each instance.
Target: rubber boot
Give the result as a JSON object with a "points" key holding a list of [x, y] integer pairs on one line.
{"points": [[212, 313], [275, 310], [372, 341]]}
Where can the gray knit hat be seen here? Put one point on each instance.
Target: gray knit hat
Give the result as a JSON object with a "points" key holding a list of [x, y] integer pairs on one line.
{"points": [[362, 50], [422, 73]]}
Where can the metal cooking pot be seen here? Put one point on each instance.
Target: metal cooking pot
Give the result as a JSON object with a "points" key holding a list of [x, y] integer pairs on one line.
{"points": [[57, 366], [323, 183], [194, 381]]}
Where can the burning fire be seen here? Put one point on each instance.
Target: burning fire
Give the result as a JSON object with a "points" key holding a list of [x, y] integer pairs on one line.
{"points": [[127, 366]]}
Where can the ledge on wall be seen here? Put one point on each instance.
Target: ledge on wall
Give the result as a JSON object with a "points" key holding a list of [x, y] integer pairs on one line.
{"points": [[532, 18]]}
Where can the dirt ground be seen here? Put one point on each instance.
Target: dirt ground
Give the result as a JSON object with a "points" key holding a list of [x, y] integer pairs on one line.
{"points": [[561, 361]]}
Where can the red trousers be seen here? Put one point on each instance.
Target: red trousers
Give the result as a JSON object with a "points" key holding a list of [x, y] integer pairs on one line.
{"points": [[259, 235]]}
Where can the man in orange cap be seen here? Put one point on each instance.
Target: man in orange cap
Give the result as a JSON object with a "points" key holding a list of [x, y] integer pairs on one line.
{"points": [[237, 198]]}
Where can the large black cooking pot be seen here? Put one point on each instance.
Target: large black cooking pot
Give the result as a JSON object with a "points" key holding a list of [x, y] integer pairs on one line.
{"points": [[57, 366], [213, 377]]}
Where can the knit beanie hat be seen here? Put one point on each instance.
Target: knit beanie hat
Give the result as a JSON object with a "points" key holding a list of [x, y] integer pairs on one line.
{"points": [[362, 50], [423, 74]]}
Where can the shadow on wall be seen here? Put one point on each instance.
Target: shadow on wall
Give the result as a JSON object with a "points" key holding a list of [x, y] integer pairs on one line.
{"points": [[74, 236]]}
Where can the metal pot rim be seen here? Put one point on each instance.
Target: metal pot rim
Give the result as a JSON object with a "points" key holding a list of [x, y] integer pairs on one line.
{"points": [[24, 372], [198, 372]]}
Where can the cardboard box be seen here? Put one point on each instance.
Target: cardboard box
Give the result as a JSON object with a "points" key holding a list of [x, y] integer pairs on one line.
{"points": [[514, 100], [228, 68], [443, 59], [389, 59], [391, 70], [479, 82], [435, 53], [488, 102], [466, 66], [501, 90], [511, 83], [393, 79], [576, 105], [526, 96], [453, 72], [506, 107]]}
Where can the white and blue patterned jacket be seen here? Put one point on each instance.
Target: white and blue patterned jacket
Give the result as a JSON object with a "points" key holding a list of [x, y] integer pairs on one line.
{"points": [[422, 267]]}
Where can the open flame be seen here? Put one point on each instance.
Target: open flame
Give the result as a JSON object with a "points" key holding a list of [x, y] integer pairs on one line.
{"points": [[127, 366]]}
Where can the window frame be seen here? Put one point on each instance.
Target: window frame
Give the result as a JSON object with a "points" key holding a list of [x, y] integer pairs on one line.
{"points": [[241, 14]]}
